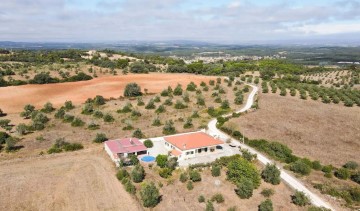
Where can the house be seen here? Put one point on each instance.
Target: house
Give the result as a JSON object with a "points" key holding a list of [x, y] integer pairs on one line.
{"points": [[189, 145], [122, 148]]}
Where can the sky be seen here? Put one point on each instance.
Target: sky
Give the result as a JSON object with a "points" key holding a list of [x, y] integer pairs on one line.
{"points": [[226, 21]]}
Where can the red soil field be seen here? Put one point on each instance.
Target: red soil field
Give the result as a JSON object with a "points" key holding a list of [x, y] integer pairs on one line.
{"points": [[14, 98]]}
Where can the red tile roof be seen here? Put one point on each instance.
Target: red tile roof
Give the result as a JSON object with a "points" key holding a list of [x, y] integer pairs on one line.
{"points": [[192, 140], [127, 145], [175, 152]]}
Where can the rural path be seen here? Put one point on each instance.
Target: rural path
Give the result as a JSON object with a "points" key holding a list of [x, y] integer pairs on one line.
{"points": [[287, 178]]}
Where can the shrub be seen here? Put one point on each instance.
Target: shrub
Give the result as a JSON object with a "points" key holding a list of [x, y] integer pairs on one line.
{"points": [[239, 169], [21, 129], [180, 105], [188, 123], [245, 188], [77, 122], [160, 109], [215, 170], [68, 118], [98, 114], [93, 126], [356, 177], [168, 102], [351, 165], [178, 90], [316, 165], [138, 133], [218, 198], [300, 167], [172, 163], [130, 188], [183, 177], [100, 138], [195, 176], [149, 195], [191, 87], [121, 174], [209, 206], [189, 185], [126, 109], [60, 113], [108, 118], [165, 172], [161, 160], [201, 199], [132, 90], [133, 160], [99, 100], [267, 192], [140, 101], [48, 108], [73, 147], [148, 143], [3, 137], [248, 155], [327, 169], [156, 122], [150, 104], [300, 199], [271, 174], [169, 128], [28, 110], [138, 174], [342, 173], [69, 105], [266, 205], [314, 208]]}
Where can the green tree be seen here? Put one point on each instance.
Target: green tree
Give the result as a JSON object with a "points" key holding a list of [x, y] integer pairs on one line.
{"points": [[215, 170], [178, 90], [266, 205], [240, 168], [148, 143], [161, 160], [169, 128], [88, 109], [183, 177], [108, 118], [99, 100], [69, 105], [245, 188], [342, 173], [138, 133], [271, 174], [48, 108], [209, 206], [138, 173], [195, 176], [191, 87], [21, 129], [132, 90], [100, 138], [28, 109], [300, 199], [149, 195]]}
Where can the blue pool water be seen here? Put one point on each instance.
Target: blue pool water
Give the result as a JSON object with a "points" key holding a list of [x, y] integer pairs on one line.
{"points": [[148, 158]]}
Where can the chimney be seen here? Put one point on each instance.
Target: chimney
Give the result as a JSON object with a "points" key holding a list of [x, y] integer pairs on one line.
{"points": [[131, 142]]}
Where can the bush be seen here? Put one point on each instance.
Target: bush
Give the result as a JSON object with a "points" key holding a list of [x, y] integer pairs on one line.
{"points": [[195, 176], [3, 137], [133, 160], [215, 170], [161, 160], [98, 114], [267, 192], [316, 165], [160, 109], [132, 90], [300, 167], [190, 185], [180, 105], [68, 118], [148, 143], [100, 138], [300, 199], [138, 174], [201, 199], [245, 188], [69, 105], [126, 109], [99, 100], [149, 195], [121, 174], [88, 109], [248, 155], [60, 113], [130, 188], [178, 90], [183, 177], [108, 118], [342, 173], [314, 208], [191, 87], [209, 206], [240, 168], [165, 172], [356, 177], [266, 205], [150, 104], [77, 122], [351, 165], [218, 198], [138, 133], [169, 128], [271, 174], [73, 147], [327, 169], [48, 108]]}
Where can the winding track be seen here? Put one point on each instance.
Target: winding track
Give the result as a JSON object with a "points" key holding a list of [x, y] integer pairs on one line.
{"points": [[287, 178]]}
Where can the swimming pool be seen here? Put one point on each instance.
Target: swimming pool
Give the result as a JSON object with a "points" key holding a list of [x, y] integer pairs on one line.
{"points": [[148, 158]]}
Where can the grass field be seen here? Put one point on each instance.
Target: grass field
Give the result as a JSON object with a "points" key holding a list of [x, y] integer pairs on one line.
{"points": [[329, 133]]}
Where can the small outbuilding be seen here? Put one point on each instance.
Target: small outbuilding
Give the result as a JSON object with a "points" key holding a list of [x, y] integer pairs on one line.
{"points": [[122, 148]]}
